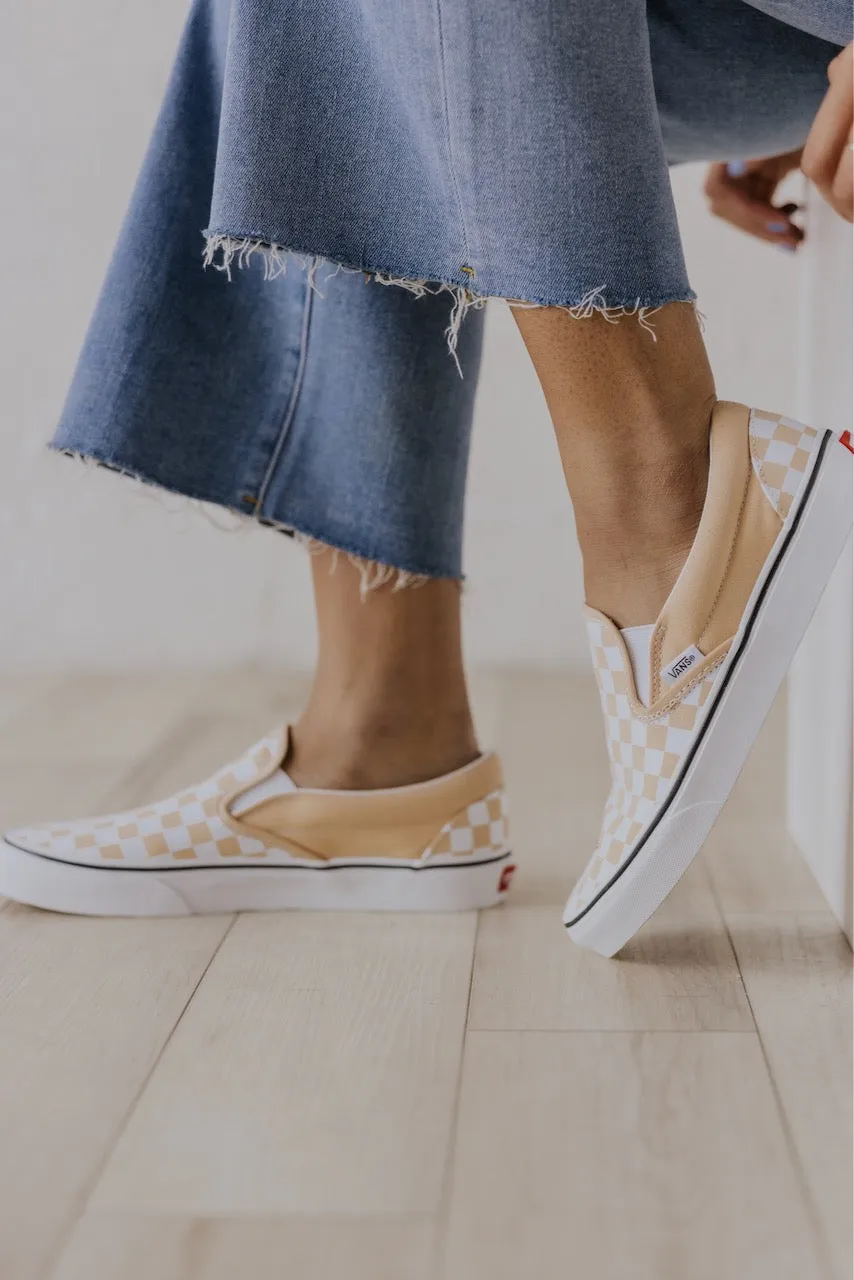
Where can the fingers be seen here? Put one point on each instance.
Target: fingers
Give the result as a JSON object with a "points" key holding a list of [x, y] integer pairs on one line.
{"points": [[745, 203], [828, 160], [842, 188]]}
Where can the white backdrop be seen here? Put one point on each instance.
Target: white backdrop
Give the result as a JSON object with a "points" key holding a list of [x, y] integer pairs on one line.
{"points": [[83, 554], [820, 788]]}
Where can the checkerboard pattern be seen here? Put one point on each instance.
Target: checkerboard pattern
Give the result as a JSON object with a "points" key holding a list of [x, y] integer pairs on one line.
{"points": [[183, 828], [187, 827], [781, 451], [645, 758], [480, 828]]}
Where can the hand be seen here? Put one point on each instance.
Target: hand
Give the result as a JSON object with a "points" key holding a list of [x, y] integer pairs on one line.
{"points": [[828, 160], [743, 191]]}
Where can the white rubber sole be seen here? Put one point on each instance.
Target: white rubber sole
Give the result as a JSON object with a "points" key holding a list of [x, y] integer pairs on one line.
{"points": [[778, 613], [404, 886]]}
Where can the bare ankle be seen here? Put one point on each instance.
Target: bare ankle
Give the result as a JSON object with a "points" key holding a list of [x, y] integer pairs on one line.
{"points": [[632, 592], [389, 748], [632, 417], [636, 539]]}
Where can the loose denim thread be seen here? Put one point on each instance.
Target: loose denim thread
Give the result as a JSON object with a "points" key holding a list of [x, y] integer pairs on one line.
{"points": [[372, 573], [239, 251]]}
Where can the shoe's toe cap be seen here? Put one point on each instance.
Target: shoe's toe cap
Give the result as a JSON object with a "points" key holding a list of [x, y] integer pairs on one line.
{"points": [[52, 841], [576, 902]]}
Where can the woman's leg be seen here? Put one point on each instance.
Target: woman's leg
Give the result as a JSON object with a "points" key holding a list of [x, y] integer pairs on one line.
{"points": [[631, 412], [328, 406], [708, 530], [631, 409], [389, 705]]}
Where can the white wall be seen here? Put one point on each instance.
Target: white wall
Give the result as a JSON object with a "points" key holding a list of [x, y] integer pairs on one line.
{"points": [[92, 571], [819, 793]]}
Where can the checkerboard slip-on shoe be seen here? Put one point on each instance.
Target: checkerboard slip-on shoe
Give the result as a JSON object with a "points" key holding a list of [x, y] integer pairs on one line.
{"points": [[684, 699], [249, 840]]}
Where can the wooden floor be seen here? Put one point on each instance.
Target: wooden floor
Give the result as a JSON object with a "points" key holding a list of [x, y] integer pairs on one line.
{"points": [[418, 1098]]}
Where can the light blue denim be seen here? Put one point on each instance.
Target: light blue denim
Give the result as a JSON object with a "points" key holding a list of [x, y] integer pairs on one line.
{"points": [[498, 148]]}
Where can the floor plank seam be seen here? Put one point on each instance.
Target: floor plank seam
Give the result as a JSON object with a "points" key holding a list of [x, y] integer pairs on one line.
{"points": [[788, 1135], [443, 1216], [77, 1211], [505, 1133], [792, 913], [614, 1031]]}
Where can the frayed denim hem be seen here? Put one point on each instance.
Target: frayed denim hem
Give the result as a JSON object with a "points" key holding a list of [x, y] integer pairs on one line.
{"points": [[373, 573], [224, 251]]}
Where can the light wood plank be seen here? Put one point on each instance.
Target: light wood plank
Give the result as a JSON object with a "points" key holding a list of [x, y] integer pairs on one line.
{"points": [[29, 794], [316, 1071], [798, 975], [96, 717], [85, 1009], [316, 1247], [553, 747], [759, 793], [655, 1156], [679, 973], [756, 866], [314, 1078], [24, 691]]}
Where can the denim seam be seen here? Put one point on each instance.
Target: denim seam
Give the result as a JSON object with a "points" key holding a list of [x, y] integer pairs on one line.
{"points": [[293, 399], [446, 111], [303, 534]]}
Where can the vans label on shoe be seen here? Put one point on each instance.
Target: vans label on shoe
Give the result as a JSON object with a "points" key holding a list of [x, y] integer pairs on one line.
{"points": [[687, 659]]}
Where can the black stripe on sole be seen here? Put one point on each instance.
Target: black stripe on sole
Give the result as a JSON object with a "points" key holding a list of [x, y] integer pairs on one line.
{"points": [[266, 866]]}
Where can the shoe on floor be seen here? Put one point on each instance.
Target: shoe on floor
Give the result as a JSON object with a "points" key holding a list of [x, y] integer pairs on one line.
{"points": [[249, 840], [683, 700]]}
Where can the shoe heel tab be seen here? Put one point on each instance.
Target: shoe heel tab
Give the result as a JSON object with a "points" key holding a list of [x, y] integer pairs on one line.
{"points": [[479, 829], [781, 451]]}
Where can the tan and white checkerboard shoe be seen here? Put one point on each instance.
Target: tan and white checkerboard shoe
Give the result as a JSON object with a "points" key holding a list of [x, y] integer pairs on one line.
{"points": [[777, 515], [249, 840]]}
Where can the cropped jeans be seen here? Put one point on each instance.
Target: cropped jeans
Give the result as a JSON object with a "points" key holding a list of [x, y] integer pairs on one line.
{"points": [[317, 150]]}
